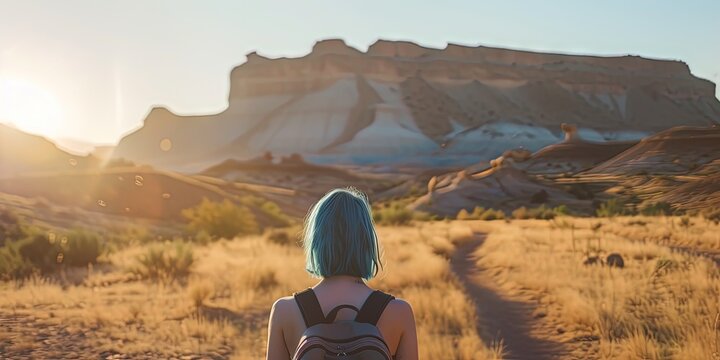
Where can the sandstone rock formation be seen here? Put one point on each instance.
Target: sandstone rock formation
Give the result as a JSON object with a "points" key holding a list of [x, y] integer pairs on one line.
{"points": [[401, 102]]}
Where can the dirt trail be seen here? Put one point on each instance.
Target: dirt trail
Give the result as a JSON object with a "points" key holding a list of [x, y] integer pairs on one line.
{"points": [[501, 318]]}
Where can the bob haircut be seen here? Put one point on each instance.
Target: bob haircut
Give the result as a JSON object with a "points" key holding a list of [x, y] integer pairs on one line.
{"points": [[339, 236]]}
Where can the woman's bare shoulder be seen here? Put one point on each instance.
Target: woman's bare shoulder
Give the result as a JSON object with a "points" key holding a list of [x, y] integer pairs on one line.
{"points": [[400, 310], [284, 304]]}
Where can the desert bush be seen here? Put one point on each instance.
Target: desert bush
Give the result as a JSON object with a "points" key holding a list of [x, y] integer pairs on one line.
{"points": [[520, 213], [220, 219], [480, 213], [166, 262], [463, 214], [654, 209], [392, 214], [613, 207], [541, 212], [424, 216], [273, 211], [12, 264], [11, 226], [42, 251], [712, 215], [491, 214], [80, 248], [285, 237], [561, 210]]}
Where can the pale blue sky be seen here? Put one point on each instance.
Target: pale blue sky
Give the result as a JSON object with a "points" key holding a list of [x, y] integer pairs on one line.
{"points": [[92, 69]]}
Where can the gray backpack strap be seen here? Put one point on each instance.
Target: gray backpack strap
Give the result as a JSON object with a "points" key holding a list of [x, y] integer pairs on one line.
{"points": [[309, 307], [373, 307]]}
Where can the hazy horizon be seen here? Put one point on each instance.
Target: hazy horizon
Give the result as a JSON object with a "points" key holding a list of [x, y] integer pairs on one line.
{"points": [[92, 71]]}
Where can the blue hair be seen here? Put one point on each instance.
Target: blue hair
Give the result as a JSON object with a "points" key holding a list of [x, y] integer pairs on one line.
{"points": [[339, 236]]}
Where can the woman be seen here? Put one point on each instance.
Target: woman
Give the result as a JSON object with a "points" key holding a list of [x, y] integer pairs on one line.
{"points": [[341, 249]]}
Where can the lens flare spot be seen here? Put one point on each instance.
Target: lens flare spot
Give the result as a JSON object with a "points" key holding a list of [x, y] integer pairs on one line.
{"points": [[166, 144]]}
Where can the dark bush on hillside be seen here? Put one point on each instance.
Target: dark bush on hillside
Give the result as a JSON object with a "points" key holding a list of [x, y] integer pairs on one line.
{"points": [[40, 251], [46, 251], [654, 209], [539, 197], [11, 227], [12, 264], [220, 219], [82, 248], [580, 191]]}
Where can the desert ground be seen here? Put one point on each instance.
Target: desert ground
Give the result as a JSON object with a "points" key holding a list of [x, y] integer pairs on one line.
{"points": [[498, 289]]}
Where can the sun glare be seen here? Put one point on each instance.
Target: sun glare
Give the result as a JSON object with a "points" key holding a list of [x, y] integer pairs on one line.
{"points": [[29, 107]]}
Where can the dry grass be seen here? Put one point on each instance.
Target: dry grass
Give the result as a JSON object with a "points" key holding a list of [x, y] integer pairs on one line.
{"points": [[222, 308], [663, 304]]}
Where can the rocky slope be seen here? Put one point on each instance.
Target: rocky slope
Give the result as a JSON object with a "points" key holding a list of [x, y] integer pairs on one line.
{"points": [[572, 155], [403, 103], [678, 150], [23, 153]]}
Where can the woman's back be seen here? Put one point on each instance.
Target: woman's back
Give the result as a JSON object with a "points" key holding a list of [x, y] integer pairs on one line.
{"points": [[396, 320]]}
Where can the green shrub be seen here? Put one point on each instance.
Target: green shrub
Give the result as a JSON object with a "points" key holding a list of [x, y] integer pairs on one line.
{"points": [[463, 215], [285, 237], [12, 264], [480, 213], [43, 252], [40, 250], [81, 248], [654, 209], [520, 213], [11, 227], [273, 211], [541, 212], [392, 214], [166, 262], [561, 210], [491, 214], [424, 216], [220, 219], [612, 207]]}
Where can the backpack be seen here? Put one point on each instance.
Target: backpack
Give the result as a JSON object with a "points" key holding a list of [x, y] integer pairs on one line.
{"points": [[357, 339]]}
